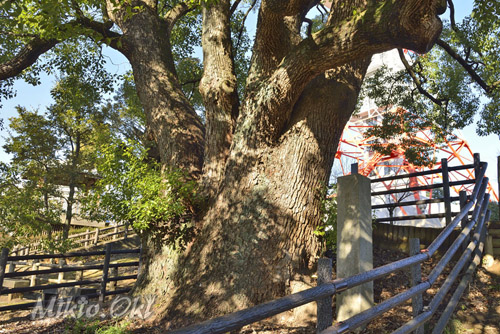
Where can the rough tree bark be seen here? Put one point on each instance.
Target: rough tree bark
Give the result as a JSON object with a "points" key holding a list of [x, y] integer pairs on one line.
{"points": [[264, 159], [257, 235]]}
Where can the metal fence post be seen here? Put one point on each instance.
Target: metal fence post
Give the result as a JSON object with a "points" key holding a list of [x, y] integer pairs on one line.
{"points": [[3, 264], [141, 262], [477, 164], [324, 306], [446, 190], [79, 274], [105, 270], [416, 277], [463, 201]]}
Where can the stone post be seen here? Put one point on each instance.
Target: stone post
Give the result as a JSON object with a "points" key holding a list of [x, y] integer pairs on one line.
{"points": [[354, 242]]}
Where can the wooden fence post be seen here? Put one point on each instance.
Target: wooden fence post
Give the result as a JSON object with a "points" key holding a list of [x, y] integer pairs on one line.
{"points": [[114, 273], [96, 237], [12, 265], [3, 264], [126, 231], [446, 190], [416, 278], [62, 264], [324, 306], [87, 238], [34, 266], [115, 231], [79, 274], [105, 270]]}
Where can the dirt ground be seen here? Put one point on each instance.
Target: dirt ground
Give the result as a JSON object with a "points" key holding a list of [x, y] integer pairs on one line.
{"points": [[477, 313]]}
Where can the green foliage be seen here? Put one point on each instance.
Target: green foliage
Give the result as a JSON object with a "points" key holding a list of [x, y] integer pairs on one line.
{"points": [[27, 202], [125, 113], [327, 230], [76, 54], [81, 326], [49, 151], [456, 97], [494, 214], [132, 188], [454, 327], [114, 329], [24, 211], [398, 130], [241, 48]]}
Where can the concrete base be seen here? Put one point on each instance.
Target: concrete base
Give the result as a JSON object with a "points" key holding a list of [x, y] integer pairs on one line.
{"points": [[15, 283]]}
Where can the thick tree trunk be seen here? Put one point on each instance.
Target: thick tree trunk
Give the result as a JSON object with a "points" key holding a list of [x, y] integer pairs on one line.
{"points": [[171, 119], [258, 236]]}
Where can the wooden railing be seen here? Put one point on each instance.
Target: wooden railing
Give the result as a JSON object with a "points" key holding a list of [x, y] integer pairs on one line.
{"points": [[8, 265], [468, 244], [89, 238]]}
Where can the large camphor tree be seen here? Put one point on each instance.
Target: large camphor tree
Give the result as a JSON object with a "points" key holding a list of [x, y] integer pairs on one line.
{"points": [[261, 153]]}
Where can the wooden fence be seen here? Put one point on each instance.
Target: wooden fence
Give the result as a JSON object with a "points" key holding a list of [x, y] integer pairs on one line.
{"points": [[397, 237], [90, 238], [11, 284]]}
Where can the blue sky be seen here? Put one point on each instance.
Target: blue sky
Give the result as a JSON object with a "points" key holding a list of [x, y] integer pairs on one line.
{"points": [[39, 97]]}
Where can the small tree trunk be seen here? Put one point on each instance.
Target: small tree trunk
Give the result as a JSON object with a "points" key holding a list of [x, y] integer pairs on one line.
{"points": [[69, 212]]}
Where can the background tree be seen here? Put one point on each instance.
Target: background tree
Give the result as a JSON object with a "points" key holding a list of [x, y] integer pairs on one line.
{"points": [[26, 208], [55, 150], [445, 88], [261, 149]]}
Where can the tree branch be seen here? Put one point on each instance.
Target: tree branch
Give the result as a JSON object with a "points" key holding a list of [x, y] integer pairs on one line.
{"points": [[194, 81], [218, 87], [240, 30], [26, 57], [417, 81], [473, 74], [178, 11], [234, 7], [288, 8], [378, 27], [278, 31], [113, 39], [452, 15]]}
